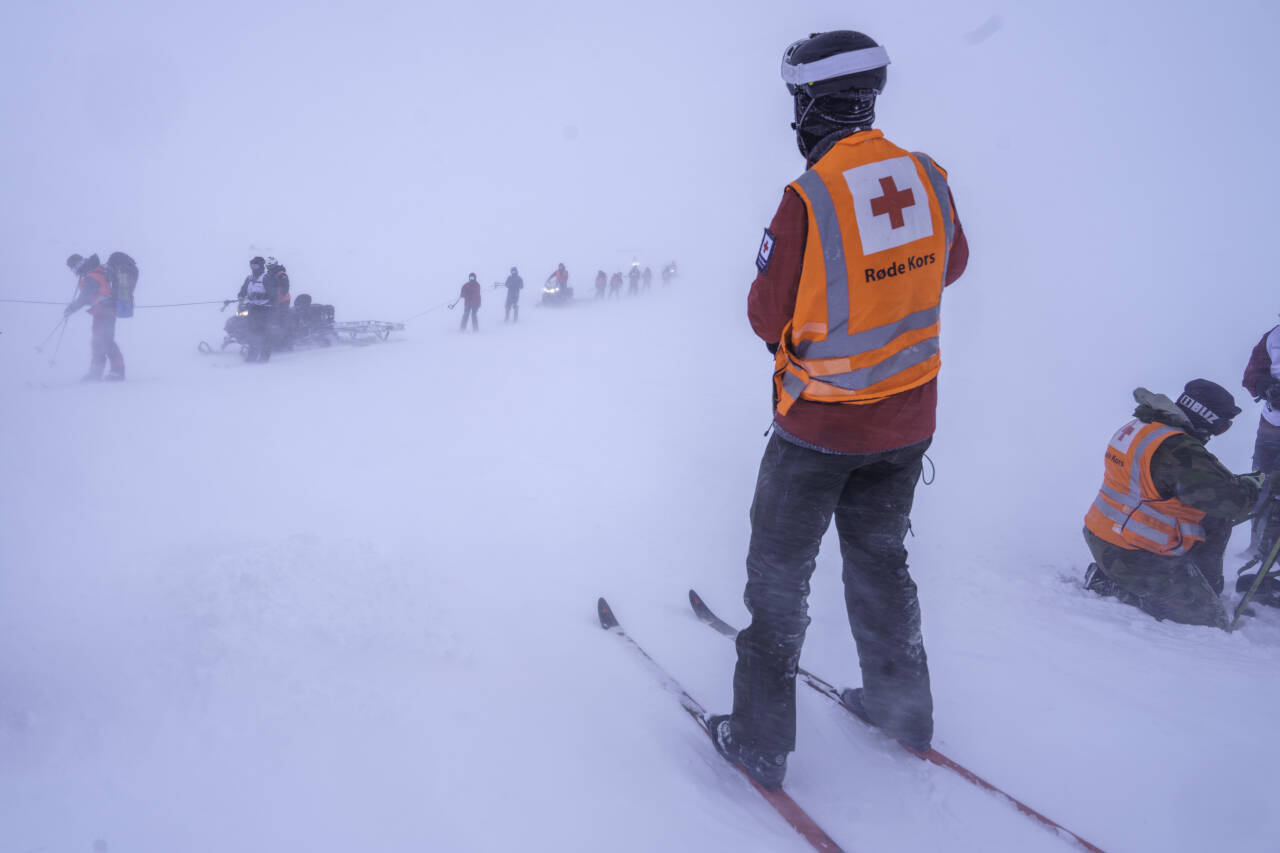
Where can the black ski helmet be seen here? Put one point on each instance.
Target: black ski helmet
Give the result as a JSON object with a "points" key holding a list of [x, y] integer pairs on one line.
{"points": [[471, 277], [834, 78], [74, 261]]}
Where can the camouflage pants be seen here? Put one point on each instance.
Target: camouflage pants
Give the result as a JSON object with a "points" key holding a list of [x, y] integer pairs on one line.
{"points": [[797, 493], [1180, 588]]}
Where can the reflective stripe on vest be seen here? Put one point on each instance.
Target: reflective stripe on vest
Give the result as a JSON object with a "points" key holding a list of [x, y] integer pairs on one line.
{"points": [[826, 361], [1131, 513]]}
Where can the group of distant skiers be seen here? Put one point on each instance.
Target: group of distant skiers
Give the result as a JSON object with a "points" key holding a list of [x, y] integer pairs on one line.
{"points": [[638, 279], [264, 303], [556, 290]]}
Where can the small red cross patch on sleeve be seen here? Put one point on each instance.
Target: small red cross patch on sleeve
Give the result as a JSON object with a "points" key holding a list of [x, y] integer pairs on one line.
{"points": [[766, 251]]}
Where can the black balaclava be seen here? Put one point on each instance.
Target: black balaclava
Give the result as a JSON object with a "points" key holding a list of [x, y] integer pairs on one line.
{"points": [[839, 113]]}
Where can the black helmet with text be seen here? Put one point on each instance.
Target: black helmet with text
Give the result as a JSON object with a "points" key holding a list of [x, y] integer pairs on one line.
{"points": [[834, 78]]}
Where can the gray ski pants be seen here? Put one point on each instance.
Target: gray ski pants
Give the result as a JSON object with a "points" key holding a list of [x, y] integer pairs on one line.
{"points": [[797, 493]]}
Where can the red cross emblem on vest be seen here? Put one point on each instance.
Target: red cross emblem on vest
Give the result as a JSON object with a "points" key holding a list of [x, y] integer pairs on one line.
{"points": [[893, 202], [1127, 431]]}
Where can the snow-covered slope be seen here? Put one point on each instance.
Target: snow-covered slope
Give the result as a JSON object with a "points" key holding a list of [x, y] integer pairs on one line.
{"points": [[345, 600]]}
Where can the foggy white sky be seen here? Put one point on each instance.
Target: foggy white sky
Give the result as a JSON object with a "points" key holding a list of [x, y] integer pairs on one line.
{"points": [[394, 143]]}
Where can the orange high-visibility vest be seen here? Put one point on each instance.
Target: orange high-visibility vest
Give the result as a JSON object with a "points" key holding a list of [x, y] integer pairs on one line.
{"points": [[98, 288], [1128, 511], [865, 325]]}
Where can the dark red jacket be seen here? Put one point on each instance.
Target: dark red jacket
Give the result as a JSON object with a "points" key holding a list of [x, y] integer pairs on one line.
{"points": [[1257, 373], [897, 421], [471, 294]]}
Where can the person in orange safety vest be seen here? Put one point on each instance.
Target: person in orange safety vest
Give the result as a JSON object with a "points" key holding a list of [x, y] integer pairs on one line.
{"points": [[1160, 522], [93, 291], [848, 297]]}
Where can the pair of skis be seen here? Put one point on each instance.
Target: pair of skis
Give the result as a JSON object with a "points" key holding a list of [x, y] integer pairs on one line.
{"points": [[780, 800]]}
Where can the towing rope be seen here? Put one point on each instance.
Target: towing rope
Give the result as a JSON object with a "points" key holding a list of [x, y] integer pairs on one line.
{"points": [[428, 311], [167, 305]]}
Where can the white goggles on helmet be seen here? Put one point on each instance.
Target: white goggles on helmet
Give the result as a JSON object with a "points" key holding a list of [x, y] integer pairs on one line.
{"points": [[840, 65]]}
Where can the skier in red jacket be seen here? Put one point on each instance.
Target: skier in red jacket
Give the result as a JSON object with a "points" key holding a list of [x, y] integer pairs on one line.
{"points": [[470, 297]]}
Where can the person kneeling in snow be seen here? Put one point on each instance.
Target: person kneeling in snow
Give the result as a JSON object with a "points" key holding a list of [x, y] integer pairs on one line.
{"points": [[1161, 521]]}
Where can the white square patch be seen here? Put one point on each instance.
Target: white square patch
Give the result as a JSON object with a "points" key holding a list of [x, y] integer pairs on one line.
{"points": [[1125, 435], [890, 203]]}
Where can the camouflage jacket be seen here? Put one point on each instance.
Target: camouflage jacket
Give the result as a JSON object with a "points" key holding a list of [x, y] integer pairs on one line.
{"points": [[1183, 468]]}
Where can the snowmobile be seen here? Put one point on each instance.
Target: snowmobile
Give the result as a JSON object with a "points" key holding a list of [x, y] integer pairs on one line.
{"points": [[305, 325], [281, 330], [554, 294], [235, 330]]}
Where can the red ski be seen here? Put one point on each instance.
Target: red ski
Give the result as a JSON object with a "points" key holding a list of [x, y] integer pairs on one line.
{"points": [[826, 688], [780, 800]]}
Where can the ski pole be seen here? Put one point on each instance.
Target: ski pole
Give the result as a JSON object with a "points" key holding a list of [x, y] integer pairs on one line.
{"points": [[60, 324], [1257, 582], [53, 359], [453, 303]]}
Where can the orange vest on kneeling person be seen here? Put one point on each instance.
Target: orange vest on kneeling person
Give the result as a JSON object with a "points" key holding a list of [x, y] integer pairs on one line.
{"points": [[865, 325], [1128, 511]]}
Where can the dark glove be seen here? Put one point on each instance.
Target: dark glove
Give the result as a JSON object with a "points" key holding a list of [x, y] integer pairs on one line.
{"points": [[1273, 395], [773, 348], [69, 310], [1257, 478]]}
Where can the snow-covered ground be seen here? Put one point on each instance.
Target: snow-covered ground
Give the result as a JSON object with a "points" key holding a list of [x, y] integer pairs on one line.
{"points": [[346, 600]]}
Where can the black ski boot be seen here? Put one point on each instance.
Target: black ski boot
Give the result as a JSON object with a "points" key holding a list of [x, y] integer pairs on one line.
{"points": [[767, 769], [851, 698], [1268, 591], [1097, 581]]}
